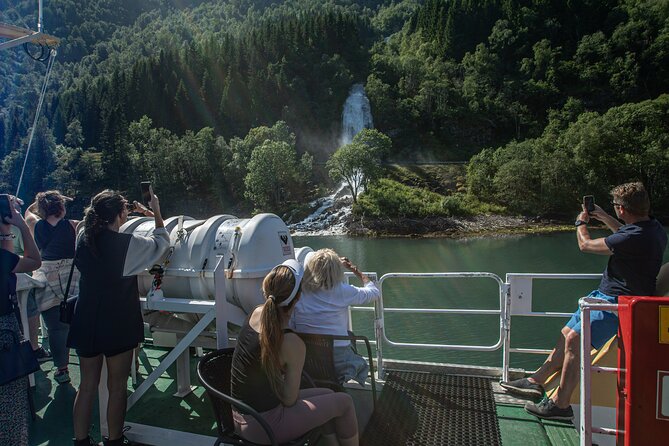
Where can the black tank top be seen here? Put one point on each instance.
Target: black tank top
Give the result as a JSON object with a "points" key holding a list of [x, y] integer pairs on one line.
{"points": [[55, 242], [249, 381]]}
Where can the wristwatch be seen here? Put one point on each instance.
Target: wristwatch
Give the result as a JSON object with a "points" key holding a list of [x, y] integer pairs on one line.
{"points": [[578, 223]]}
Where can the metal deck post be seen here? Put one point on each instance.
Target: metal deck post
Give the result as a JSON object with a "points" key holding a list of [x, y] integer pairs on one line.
{"points": [[586, 406]]}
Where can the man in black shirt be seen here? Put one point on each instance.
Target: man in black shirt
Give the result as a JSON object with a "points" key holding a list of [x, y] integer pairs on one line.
{"points": [[635, 251]]}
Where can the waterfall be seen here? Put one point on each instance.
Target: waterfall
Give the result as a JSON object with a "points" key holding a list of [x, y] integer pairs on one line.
{"points": [[326, 219], [357, 114], [331, 211]]}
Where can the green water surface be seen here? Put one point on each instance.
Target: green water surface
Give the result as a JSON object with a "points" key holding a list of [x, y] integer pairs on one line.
{"points": [[549, 253]]}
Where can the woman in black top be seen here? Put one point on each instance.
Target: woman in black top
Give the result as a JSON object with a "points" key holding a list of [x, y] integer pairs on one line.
{"points": [[13, 395], [267, 368], [54, 235], [107, 321]]}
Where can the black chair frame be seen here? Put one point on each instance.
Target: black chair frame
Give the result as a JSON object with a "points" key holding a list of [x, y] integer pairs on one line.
{"points": [[224, 423], [321, 369]]}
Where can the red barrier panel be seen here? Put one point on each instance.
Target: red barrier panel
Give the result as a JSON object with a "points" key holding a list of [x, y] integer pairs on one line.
{"points": [[643, 389]]}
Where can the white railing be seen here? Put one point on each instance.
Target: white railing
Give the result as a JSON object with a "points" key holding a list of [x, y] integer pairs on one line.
{"points": [[515, 299], [587, 304], [380, 311]]}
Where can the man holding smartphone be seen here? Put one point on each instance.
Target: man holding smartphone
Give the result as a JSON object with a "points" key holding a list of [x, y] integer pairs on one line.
{"points": [[635, 251]]}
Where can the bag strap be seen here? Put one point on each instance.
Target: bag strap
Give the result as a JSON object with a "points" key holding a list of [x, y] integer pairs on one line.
{"points": [[69, 279]]}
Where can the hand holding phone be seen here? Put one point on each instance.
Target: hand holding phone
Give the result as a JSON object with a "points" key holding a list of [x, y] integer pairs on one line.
{"points": [[589, 203], [145, 186]]}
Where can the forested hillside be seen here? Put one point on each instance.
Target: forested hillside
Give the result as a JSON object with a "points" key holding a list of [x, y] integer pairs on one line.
{"points": [[552, 98]]}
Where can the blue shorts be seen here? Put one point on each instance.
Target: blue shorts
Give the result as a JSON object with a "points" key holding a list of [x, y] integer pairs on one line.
{"points": [[603, 324]]}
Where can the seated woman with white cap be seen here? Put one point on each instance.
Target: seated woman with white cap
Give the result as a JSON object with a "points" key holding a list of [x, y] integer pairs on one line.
{"points": [[267, 368]]}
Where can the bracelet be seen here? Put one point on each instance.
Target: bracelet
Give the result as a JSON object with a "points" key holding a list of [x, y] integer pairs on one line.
{"points": [[9, 236]]}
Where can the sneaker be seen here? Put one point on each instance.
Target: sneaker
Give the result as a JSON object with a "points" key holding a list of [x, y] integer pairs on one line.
{"points": [[523, 388], [62, 376], [548, 410], [42, 355]]}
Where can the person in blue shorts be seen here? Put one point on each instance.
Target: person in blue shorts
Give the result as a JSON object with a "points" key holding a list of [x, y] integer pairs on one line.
{"points": [[635, 251]]}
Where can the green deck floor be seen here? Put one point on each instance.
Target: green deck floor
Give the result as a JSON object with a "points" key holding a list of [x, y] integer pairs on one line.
{"points": [[520, 428], [159, 407]]}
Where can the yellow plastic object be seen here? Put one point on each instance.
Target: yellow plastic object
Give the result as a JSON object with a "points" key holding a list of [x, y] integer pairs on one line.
{"points": [[603, 388]]}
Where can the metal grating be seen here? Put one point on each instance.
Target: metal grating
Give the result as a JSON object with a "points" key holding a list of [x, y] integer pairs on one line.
{"points": [[425, 409]]}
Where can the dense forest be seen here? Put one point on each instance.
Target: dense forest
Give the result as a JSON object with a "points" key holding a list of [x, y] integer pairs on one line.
{"points": [[234, 105]]}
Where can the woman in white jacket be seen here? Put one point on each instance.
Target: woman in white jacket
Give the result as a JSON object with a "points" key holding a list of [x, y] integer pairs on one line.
{"points": [[323, 308]]}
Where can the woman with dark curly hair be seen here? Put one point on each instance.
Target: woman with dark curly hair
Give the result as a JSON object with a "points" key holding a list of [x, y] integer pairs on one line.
{"points": [[55, 236], [107, 322], [13, 395]]}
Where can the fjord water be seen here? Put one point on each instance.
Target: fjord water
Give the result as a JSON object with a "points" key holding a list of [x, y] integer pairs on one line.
{"points": [[548, 253]]}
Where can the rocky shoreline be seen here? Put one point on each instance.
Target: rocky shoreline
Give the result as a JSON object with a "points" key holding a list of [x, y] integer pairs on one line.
{"points": [[334, 217], [480, 225]]}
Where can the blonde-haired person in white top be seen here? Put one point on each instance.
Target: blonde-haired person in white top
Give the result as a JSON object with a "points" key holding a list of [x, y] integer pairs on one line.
{"points": [[323, 308]]}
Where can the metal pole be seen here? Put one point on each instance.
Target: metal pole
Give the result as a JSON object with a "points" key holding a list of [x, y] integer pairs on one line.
{"points": [[39, 19], [586, 408], [379, 329], [505, 303]]}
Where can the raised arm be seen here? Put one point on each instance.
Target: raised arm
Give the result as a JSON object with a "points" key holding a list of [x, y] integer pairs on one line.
{"points": [[155, 206], [356, 295], [32, 217], [585, 242], [611, 222], [31, 259], [145, 251]]}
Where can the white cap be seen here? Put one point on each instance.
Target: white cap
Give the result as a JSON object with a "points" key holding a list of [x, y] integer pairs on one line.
{"points": [[308, 257], [298, 273]]}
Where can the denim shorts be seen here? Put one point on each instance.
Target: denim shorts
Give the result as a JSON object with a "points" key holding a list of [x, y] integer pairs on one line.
{"points": [[350, 365], [603, 324]]}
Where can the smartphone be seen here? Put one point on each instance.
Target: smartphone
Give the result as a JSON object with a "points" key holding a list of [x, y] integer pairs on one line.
{"points": [[589, 203], [146, 193], [5, 211]]}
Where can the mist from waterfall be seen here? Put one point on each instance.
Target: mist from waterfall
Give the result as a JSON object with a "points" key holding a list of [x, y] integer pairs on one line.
{"points": [[328, 218], [357, 114]]}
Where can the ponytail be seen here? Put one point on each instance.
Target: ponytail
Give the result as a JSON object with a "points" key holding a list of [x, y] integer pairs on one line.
{"points": [[271, 339], [102, 211], [277, 286]]}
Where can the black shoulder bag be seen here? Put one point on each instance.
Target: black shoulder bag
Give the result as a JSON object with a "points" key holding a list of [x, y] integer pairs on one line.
{"points": [[67, 305], [17, 358]]}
